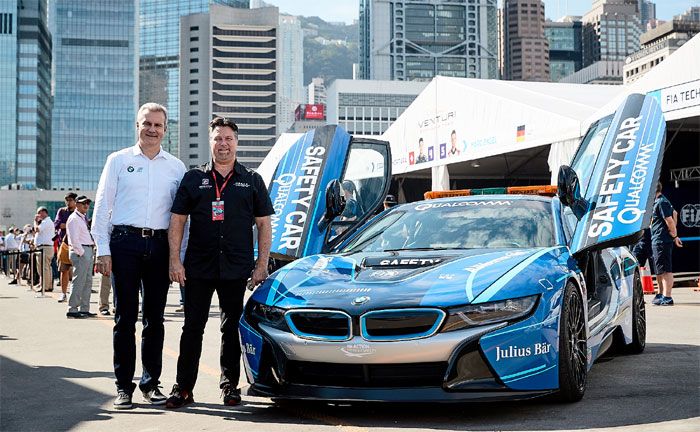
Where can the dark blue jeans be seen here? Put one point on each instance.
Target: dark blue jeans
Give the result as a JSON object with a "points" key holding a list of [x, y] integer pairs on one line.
{"points": [[139, 265], [198, 294]]}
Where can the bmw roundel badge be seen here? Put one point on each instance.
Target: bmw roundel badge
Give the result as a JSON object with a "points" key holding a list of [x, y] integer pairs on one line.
{"points": [[360, 300]]}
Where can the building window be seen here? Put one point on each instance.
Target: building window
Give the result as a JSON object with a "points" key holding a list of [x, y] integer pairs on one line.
{"points": [[194, 81], [194, 60], [194, 124], [194, 28], [194, 92], [194, 39], [194, 135], [194, 145], [194, 49], [194, 113], [194, 71], [194, 102], [193, 156]]}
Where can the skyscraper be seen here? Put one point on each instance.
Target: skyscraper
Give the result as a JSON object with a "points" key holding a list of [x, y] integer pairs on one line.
{"points": [[647, 12], [290, 71], [25, 91], [229, 63], [611, 31], [565, 46], [417, 40], [95, 87], [526, 50], [159, 56]]}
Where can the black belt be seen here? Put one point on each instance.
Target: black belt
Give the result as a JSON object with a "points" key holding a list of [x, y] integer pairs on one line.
{"points": [[87, 245], [143, 232]]}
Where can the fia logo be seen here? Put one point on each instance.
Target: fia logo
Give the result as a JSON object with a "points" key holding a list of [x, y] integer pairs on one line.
{"points": [[249, 349]]}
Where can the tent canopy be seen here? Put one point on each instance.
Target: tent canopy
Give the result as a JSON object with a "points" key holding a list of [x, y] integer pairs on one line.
{"points": [[455, 120]]}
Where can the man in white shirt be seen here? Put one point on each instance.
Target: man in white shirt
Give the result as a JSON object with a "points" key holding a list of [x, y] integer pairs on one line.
{"points": [[129, 225], [81, 253], [43, 240], [12, 247]]}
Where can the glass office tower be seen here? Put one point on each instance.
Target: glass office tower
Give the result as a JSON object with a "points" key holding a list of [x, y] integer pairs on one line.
{"points": [[565, 46], [25, 92], [417, 40], [96, 87], [159, 64]]}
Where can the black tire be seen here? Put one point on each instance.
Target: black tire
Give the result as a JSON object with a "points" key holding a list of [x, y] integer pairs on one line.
{"points": [[639, 319], [573, 347]]}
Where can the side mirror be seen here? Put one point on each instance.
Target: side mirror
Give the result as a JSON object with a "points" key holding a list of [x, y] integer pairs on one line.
{"points": [[335, 203], [569, 191]]}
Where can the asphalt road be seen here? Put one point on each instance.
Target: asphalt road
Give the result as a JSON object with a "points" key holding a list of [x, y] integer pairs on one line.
{"points": [[56, 374]]}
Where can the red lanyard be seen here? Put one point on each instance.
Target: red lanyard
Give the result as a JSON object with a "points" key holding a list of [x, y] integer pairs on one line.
{"points": [[216, 185]]}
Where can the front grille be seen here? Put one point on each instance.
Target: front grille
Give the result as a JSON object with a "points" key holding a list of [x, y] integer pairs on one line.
{"points": [[319, 324], [398, 324], [366, 375]]}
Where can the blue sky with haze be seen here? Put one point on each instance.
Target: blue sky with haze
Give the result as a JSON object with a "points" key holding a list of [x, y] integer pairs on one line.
{"points": [[347, 10]]}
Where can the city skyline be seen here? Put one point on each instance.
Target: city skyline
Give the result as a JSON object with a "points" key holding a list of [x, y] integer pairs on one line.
{"points": [[348, 10]]}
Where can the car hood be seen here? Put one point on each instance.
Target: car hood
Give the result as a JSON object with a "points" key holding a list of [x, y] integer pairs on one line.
{"points": [[401, 279]]}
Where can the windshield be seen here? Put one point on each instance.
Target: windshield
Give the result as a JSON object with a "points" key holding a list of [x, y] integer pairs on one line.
{"points": [[464, 224]]}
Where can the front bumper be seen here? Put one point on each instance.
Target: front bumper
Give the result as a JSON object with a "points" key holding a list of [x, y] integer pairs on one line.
{"points": [[446, 367]]}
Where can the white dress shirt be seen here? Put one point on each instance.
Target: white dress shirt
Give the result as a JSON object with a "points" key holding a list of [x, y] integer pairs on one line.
{"points": [[135, 190], [46, 233], [11, 243], [77, 232]]}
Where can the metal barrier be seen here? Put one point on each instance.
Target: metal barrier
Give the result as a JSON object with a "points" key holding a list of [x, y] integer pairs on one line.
{"points": [[12, 266]]}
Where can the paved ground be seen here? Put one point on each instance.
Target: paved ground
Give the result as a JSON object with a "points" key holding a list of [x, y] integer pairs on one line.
{"points": [[56, 374]]}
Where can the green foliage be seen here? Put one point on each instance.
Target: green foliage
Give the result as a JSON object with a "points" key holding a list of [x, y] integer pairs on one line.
{"points": [[333, 60]]}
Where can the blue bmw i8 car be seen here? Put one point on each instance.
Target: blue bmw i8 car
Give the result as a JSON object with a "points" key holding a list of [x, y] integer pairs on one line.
{"points": [[473, 296]]}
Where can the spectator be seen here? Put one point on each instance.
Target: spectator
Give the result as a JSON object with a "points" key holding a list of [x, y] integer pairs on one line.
{"points": [[26, 247], [221, 215], [663, 237], [389, 202], [64, 264], [81, 255], [130, 223], [45, 231], [12, 248]]}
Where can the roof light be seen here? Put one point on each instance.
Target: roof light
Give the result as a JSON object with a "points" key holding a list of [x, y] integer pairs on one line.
{"points": [[544, 190]]}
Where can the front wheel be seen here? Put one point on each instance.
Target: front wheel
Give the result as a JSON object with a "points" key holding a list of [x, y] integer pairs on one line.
{"points": [[573, 348]]}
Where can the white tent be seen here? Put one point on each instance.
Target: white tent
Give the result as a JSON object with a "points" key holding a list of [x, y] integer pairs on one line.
{"points": [[455, 120], [675, 82]]}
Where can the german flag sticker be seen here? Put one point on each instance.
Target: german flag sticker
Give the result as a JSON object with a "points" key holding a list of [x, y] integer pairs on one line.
{"points": [[520, 135]]}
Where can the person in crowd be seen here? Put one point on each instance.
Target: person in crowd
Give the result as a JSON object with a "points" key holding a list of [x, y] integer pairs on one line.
{"points": [[81, 255], [105, 289], [352, 209], [664, 236], [130, 223], [64, 264], [219, 256], [43, 240], [11, 248], [389, 202], [26, 247]]}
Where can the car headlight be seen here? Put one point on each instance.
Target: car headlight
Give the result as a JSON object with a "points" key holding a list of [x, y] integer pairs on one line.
{"points": [[488, 313], [272, 316]]}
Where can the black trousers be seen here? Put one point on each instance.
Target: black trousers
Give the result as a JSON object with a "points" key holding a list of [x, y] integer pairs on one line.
{"points": [[198, 295], [139, 265]]}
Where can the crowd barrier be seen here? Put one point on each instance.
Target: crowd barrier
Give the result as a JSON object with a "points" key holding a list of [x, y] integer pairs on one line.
{"points": [[11, 266]]}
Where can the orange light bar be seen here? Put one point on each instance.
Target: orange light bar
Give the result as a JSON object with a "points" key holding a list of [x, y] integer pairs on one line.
{"points": [[545, 190], [447, 194]]}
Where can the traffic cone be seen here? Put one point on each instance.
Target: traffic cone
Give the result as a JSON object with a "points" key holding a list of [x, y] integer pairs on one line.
{"points": [[647, 281]]}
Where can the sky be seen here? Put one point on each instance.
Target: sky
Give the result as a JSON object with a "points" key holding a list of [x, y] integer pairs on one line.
{"points": [[347, 10]]}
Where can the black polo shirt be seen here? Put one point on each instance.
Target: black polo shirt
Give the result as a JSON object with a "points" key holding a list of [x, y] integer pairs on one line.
{"points": [[221, 249]]}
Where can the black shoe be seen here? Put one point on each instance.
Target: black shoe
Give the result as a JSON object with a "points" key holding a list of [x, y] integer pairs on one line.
{"points": [[75, 315], [105, 312], [13, 282], [154, 396], [88, 314], [123, 400], [231, 395], [179, 398]]}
